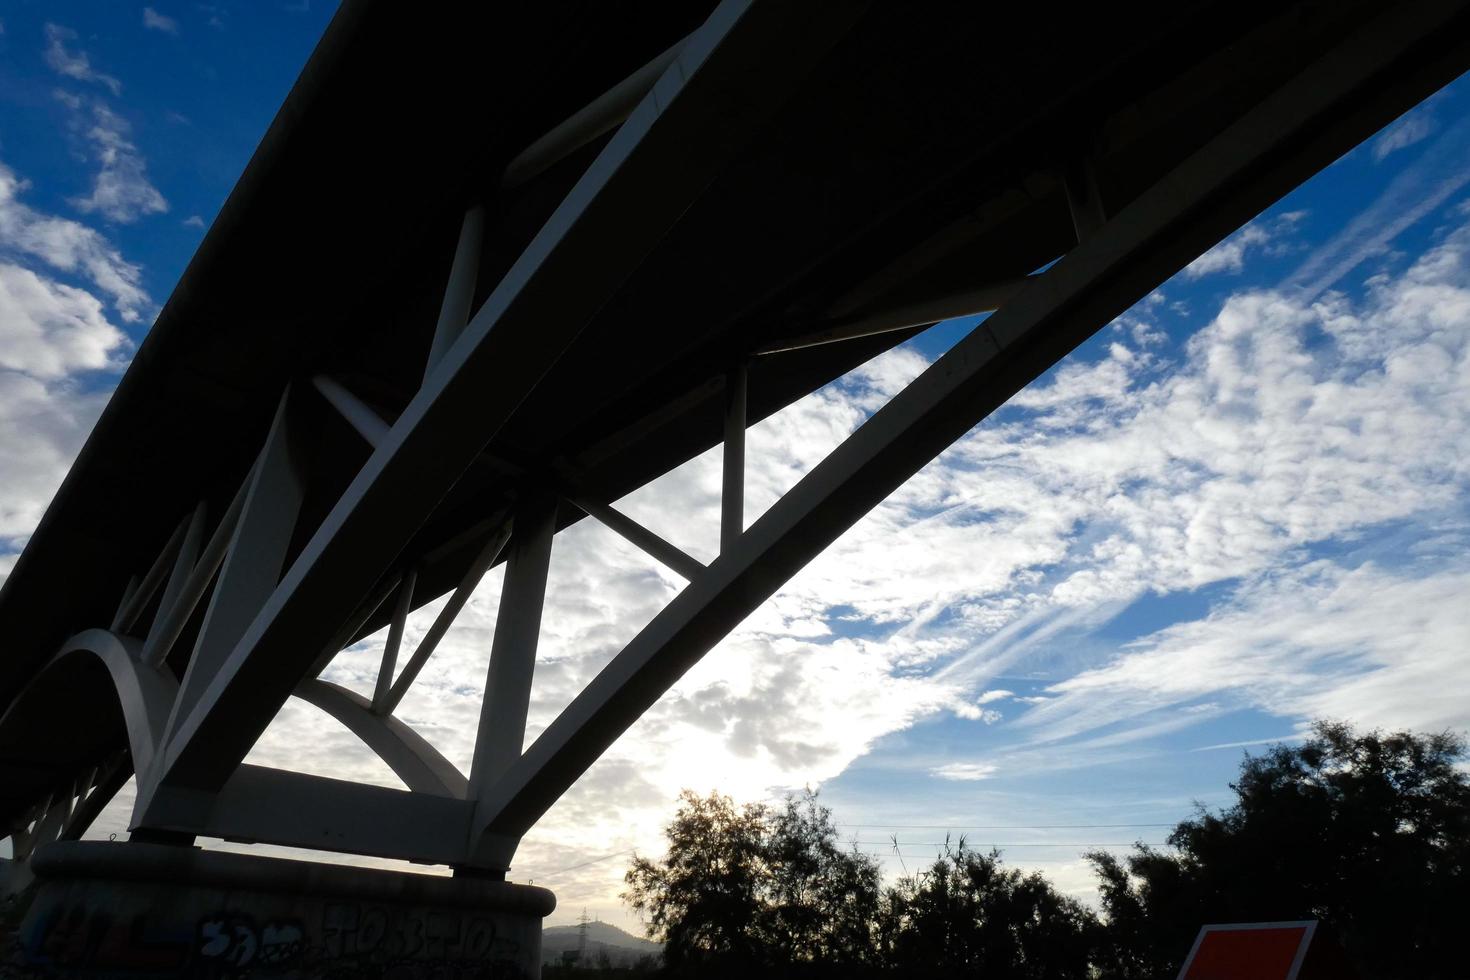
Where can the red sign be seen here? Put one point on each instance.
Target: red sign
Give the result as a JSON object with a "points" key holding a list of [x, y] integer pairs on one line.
{"points": [[1249, 951]]}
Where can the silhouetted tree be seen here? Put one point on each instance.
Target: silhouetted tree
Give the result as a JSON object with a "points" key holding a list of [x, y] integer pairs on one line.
{"points": [[748, 887], [821, 899], [966, 915], [1369, 833], [702, 901]]}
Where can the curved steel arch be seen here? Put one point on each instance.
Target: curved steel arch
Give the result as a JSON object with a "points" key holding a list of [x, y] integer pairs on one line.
{"points": [[145, 694], [144, 697], [421, 766]]}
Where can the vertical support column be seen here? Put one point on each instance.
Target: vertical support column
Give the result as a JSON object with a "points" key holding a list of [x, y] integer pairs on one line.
{"points": [[513, 653], [459, 293], [732, 494], [255, 558]]}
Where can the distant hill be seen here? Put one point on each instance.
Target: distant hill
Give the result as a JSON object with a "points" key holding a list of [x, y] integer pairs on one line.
{"points": [[622, 949]]}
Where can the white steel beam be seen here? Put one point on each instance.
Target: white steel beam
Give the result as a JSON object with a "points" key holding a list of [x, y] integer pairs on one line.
{"points": [[185, 560], [145, 693], [353, 624], [640, 537], [110, 778], [260, 805], [732, 492], [129, 590], [368, 423], [1294, 132], [596, 118], [172, 618], [487, 556], [256, 556], [502, 729], [459, 292], [401, 610], [967, 301], [725, 84], [142, 591], [422, 767]]}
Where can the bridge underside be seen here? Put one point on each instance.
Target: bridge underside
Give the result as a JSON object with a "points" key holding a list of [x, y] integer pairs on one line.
{"points": [[489, 272]]}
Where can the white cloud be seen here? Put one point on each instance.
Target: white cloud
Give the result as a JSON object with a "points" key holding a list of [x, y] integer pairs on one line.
{"points": [[193, 221], [49, 330], [69, 247], [74, 64], [121, 190], [964, 771], [1408, 130], [155, 21], [1437, 175], [1367, 644], [973, 712], [43, 424], [1268, 237], [1229, 255]]}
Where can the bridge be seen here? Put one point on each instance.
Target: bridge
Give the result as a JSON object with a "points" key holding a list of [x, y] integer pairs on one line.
{"points": [[494, 268]]}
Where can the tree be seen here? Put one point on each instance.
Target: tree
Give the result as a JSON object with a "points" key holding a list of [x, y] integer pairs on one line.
{"points": [[966, 915], [747, 887], [1368, 833], [702, 901], [822, 900]]}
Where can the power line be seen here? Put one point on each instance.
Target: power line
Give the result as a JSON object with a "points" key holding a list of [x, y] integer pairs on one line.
{"points": [[1024, 826], [1023, 844], [584, 864], [869, 843], [899, 856]]}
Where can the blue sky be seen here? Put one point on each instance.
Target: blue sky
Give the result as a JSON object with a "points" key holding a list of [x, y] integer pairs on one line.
{"points": [[1240, 507]]}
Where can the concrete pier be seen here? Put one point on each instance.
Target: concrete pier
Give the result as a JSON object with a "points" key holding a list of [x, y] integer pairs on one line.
{"points": [[152, 910]]}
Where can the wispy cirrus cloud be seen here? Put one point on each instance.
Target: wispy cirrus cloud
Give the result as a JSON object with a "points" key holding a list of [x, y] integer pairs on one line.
{"points": [[121, 190], [155, 21], [1423, 186], [1407, 131], [74, 64], [1365, 643]]}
